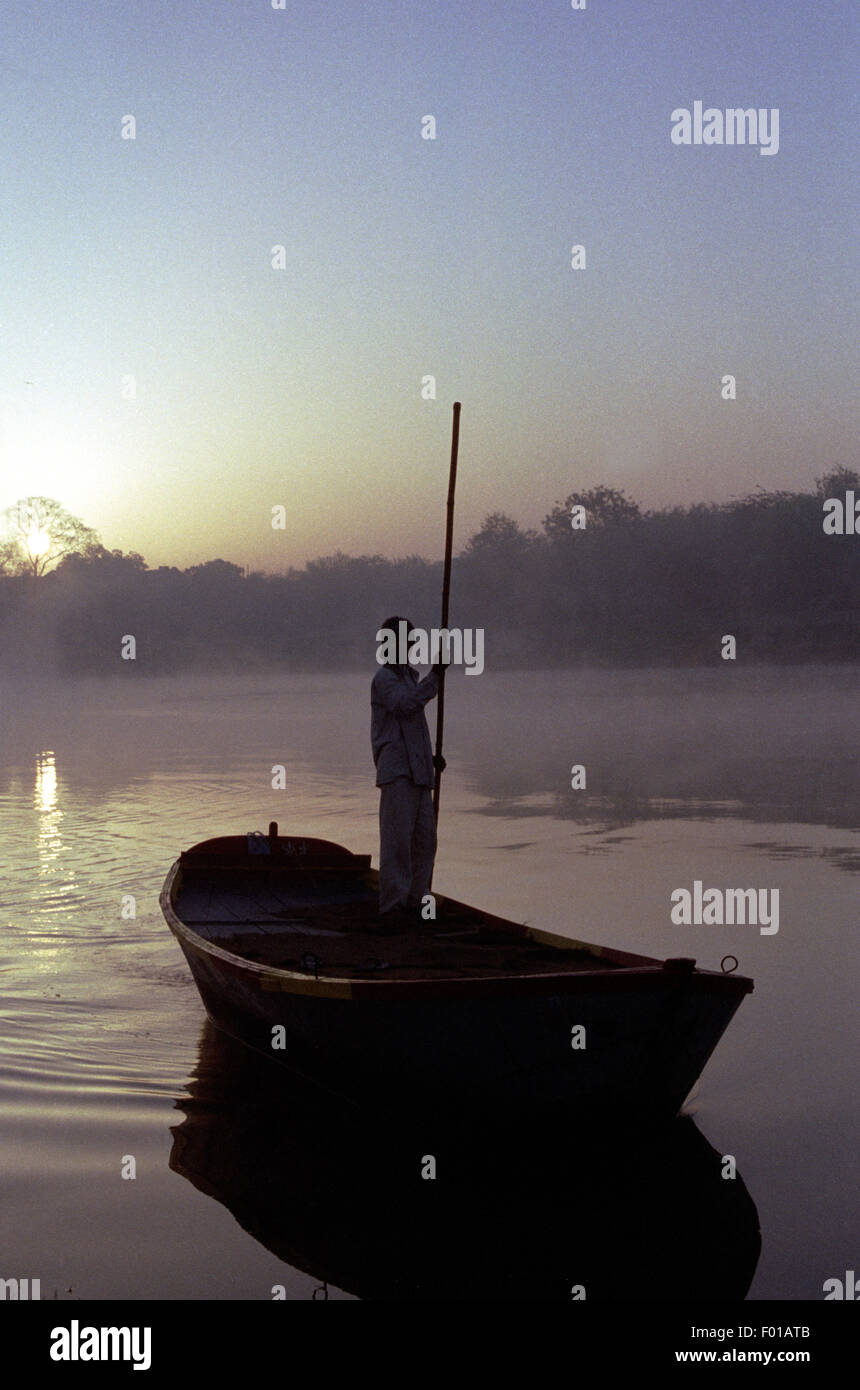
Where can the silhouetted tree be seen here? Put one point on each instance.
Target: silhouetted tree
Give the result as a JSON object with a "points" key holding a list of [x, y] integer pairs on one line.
{"points": [[42, 534], [604, 506], [499, 537], [836, 483]]}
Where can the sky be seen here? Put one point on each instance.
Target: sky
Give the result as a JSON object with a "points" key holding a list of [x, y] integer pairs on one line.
{"points": [[408, 257]]}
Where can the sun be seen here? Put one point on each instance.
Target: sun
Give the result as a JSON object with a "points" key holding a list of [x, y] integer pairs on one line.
{"points": [[38, 542]]}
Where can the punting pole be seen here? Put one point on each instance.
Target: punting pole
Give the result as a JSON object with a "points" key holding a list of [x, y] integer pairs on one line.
{"points": [[446, 593]]}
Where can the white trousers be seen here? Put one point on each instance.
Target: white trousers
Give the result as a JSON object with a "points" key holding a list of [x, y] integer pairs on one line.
{"points": [[407, 843]]}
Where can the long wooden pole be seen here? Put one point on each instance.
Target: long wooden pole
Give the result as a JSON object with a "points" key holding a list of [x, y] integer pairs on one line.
{"points": [[446, 594]]}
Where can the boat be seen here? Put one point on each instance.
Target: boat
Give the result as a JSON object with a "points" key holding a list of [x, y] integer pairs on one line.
{"points": [[283, 940]]}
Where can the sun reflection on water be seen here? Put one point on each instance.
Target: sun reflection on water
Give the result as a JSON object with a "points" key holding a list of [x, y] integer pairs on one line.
{"points": [[46, 781], [48, 812]]}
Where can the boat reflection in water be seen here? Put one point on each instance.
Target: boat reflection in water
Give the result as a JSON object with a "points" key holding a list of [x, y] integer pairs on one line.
{"points": [[517, 1209]]}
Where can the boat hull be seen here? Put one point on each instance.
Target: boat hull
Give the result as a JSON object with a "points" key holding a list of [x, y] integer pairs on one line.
{"points": [[642, 1043]]}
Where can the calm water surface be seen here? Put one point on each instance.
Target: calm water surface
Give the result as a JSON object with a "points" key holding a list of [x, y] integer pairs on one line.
{"points": [[748, 779]]}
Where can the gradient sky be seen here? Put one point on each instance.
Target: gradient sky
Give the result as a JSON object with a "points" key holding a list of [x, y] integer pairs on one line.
{"points": [[406, 257]]}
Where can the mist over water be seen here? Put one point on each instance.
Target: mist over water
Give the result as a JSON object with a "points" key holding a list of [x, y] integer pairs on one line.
{"points": [[734, 777]]}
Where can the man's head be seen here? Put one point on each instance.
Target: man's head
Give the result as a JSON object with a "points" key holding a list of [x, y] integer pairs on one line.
{"points": [[392, 625]]}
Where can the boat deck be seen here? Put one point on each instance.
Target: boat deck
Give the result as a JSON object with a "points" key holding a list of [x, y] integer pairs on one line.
{"points": [[345, 938]]}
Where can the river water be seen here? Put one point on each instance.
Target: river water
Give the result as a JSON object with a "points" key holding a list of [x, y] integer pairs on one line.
{"points": [[732, 778]]}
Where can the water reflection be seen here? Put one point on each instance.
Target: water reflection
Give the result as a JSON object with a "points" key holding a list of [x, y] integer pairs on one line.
{"points": [[46, 782], [512, 1213], [49, 817]]}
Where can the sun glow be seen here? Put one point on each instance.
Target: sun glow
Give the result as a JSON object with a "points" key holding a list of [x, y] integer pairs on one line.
{"points": [[38, 543]]}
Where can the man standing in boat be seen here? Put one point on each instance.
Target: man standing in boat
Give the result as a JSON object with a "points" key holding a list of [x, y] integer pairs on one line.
{"points": [[405, 775]]}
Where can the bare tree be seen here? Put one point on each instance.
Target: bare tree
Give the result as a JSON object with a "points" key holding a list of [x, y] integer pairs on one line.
{"points": [[40, 533]]}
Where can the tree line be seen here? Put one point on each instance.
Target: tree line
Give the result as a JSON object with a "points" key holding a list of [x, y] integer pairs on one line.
{"points": [[600, 583]]}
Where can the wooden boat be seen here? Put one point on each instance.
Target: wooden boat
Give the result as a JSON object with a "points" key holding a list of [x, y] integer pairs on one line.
{"points": [[281, 935]]}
